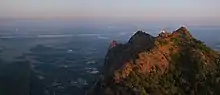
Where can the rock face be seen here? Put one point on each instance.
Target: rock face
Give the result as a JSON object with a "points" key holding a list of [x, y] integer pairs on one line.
{"points": [[169, 64], [141, 41]]}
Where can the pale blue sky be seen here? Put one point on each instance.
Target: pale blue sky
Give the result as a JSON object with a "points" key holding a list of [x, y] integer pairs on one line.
{"points": [[125, 9]]}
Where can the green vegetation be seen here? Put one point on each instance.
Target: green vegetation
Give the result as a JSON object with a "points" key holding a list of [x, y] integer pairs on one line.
{"points": [[201, 46], [194, 43], [193, 69], [162, 42], [175, 40], [187, 75]]}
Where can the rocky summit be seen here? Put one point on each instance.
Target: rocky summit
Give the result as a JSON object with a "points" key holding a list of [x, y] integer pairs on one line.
{"points": [[170, 64]]}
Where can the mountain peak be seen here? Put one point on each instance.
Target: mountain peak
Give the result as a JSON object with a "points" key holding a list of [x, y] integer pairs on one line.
{"points": [[141, 41], [183, 28], [140, 32], [140, 37], [160, 65], [182, 31]]}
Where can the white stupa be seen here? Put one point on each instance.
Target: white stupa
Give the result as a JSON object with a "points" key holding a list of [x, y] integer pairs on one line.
{"points": [[163, 31]]}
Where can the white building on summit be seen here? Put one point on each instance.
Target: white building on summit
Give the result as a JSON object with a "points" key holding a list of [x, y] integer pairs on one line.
{"points": [[163, 33]]}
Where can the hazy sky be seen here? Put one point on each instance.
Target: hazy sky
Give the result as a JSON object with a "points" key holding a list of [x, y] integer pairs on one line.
{"points": [[124, 9]]}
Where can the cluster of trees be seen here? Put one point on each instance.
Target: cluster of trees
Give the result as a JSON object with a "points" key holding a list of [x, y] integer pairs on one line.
{"points": [[192, 78]]}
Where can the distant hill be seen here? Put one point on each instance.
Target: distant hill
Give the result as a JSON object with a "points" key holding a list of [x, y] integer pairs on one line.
{"points": [[18, 78], [170, 64]]}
